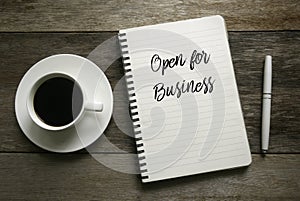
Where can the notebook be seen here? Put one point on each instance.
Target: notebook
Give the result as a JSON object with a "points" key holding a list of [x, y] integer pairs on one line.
{"points": [[183, 98]]}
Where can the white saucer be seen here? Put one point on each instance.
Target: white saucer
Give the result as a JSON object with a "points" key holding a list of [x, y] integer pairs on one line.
{"points": [[90, 127]]}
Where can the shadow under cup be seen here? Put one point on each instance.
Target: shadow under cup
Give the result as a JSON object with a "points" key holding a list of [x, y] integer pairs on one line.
{"points": [[56, 101]]}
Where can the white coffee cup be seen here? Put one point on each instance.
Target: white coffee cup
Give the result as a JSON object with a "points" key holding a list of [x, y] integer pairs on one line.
{"points": [[85, 106]]}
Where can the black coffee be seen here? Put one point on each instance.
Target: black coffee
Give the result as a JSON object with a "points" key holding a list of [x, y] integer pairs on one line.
{"points": [[58, 101]]}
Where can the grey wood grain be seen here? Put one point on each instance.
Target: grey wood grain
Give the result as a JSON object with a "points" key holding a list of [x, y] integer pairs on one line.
{"points": [[90, 15], [80, 177], [248, 52], [19, 51]]}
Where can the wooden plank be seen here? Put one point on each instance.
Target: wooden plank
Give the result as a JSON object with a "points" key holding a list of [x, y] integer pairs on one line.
{"points": [[76, 15], [79, 177], [19, 51]]}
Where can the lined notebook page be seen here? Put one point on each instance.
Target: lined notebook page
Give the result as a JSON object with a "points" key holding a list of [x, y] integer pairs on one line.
{"points": [[187, 100]]}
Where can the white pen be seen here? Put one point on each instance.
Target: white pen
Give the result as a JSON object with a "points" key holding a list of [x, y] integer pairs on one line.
{"points": [[266, 107]]}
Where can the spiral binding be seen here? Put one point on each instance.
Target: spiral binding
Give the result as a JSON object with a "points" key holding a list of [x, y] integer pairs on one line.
{"points": [[133, 105]]}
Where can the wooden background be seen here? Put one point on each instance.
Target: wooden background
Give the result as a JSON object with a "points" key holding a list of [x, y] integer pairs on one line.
{"points": [[32, 30]]}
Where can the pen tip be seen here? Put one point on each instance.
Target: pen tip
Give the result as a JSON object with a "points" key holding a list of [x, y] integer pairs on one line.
{"points": [[268, 57], [264, 151]]}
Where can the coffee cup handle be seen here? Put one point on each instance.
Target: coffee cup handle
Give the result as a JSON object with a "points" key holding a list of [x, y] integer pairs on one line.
{"points": [[97, 107]]}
